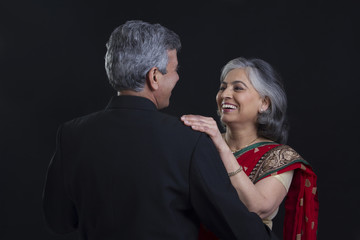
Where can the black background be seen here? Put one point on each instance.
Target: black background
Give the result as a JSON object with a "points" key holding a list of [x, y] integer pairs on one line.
{"points": [[52, 70]]}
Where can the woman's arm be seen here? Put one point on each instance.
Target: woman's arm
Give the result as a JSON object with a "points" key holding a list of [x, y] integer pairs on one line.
{"points": [[262, 198]]}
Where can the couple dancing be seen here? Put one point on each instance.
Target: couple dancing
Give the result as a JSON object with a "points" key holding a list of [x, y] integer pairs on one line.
{"points": [[132, 172]]}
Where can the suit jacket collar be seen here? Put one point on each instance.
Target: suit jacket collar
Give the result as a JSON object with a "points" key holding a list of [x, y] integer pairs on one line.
{"points": [[131, 102]]}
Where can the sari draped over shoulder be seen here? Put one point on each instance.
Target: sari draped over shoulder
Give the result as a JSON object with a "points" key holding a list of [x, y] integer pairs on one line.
{"points": [[265, 159]]}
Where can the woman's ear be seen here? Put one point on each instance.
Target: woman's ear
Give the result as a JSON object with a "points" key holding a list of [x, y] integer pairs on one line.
{"points": [[153, 78], [265, 104]]}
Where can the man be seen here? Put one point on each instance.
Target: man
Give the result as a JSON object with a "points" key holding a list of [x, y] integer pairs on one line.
{"points": [[131, 172]]}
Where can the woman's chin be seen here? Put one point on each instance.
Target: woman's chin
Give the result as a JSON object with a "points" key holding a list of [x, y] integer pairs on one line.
{"points": [[225, 120]]}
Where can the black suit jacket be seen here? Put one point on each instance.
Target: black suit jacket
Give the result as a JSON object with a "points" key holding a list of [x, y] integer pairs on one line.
{"points": [[132, 172]]}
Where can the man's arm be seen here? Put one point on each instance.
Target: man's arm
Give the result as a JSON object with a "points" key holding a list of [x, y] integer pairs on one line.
{"points": [[59, 210], [216, 201]]}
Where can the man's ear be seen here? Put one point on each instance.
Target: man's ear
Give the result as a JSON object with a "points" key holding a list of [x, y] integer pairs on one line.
{"points": [[153, 78]]}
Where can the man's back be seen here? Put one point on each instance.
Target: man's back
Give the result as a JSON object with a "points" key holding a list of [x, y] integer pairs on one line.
{"points": [[131, 172]]}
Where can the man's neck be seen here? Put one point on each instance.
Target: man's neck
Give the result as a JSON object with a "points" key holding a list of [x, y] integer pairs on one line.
{"points": [[143, 93]]}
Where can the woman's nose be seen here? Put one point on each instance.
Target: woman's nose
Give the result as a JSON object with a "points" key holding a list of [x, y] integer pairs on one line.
{"points": [[226, 93]]}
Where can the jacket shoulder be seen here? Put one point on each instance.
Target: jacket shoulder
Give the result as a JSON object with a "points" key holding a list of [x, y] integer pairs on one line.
{"points": [[83, 120], [175, 124]]}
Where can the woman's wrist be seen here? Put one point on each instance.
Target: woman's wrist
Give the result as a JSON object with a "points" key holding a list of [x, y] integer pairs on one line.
{"points": [[230, 174], [220, 144]]}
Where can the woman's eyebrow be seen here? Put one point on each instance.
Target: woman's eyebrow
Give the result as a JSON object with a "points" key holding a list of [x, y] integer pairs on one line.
{"points": [[239, 81], [222, 82], [234, 83]]}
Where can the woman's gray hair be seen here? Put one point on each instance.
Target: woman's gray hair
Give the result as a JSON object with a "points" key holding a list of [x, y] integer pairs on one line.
{"points": [[272, 123], [133, 49]]}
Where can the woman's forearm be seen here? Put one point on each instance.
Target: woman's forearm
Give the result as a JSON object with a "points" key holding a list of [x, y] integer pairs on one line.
{"points": [[246, 190]]}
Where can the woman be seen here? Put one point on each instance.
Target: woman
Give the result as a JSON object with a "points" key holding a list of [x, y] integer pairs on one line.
{"points": [[252, 106]]}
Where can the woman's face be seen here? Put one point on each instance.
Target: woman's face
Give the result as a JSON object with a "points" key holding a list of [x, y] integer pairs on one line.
{"points": [[238, 101]]}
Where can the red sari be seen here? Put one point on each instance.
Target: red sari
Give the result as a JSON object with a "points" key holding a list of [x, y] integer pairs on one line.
{"points": [[266, 159]]}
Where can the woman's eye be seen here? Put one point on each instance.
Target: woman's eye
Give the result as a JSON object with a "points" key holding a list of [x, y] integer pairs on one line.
{"points": [[221, 88], [238, 88]]}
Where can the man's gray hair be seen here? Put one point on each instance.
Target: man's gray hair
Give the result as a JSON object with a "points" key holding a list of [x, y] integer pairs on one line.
{"points": [[272, 123], [133, 49]]}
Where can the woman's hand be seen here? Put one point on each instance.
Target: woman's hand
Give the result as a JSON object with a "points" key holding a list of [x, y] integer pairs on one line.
{"points": [[202, 124], [207, 125]]}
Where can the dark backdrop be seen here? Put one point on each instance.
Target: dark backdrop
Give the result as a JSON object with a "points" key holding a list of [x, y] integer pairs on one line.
{"points": [[52, 70]]}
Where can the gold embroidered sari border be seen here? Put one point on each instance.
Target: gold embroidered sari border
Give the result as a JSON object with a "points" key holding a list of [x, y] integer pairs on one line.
{"points": [[274, 160]]}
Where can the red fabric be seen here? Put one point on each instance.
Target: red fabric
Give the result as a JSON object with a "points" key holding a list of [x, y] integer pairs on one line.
{"points": [[301, 203], [250, 158]]}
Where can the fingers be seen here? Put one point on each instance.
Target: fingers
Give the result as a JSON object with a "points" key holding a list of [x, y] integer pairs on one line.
{"points": [[202, 127], [197, 118], [200, 123]]}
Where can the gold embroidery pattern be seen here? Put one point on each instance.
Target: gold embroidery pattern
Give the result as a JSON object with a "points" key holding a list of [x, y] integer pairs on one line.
{"points": [[273, 160]]}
